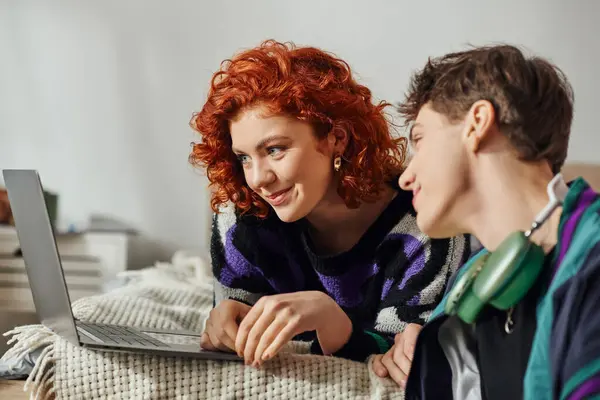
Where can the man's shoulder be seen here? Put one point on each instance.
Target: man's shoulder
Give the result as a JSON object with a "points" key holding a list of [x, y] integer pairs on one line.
{"points": [[579, 230]]}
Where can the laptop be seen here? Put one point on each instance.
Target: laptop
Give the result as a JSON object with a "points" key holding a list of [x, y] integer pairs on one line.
{"points": [[50, 294]]}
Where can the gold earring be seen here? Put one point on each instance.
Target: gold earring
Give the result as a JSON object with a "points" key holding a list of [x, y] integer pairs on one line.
{"points": [[337, 163]]}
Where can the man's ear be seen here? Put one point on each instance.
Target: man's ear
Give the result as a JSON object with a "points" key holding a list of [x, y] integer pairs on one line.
{"points": [[480, 120]]}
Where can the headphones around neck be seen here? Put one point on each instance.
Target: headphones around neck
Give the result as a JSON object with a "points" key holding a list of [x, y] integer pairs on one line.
{"points": [[501, 278]]}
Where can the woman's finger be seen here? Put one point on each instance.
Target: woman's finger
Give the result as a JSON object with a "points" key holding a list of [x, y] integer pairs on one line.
{"points": [[268, 337], [254, 336], [205, 343], [284, 336], [246, 326], [216, 342], [226, 340], [229, 333]]}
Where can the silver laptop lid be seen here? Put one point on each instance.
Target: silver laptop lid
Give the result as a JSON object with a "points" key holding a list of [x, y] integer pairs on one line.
{"points": [[38, 245]]}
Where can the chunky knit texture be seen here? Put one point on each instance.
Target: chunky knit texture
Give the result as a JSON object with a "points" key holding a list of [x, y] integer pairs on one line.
{"points": [[179, 296]]}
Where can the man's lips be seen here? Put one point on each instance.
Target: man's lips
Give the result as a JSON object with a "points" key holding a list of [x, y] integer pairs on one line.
{"points": [[414, 199]]}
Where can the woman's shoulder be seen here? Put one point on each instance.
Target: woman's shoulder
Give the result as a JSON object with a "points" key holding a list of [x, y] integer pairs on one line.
{"points": [[229, 216], [250, 232]]}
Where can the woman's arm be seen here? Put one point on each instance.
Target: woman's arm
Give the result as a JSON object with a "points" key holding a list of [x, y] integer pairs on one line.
{"points": [[236, 277], [238, 283], [413, 286]]}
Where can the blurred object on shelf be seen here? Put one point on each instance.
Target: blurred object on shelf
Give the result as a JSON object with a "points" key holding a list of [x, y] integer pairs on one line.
{"points": [[6, 217]]}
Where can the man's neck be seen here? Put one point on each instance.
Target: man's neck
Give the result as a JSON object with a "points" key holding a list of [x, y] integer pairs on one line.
{"points": [[510, 201]]}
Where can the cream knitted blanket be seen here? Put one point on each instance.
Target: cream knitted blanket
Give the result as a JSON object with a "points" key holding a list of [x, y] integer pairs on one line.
{"points": [[172, 296]]}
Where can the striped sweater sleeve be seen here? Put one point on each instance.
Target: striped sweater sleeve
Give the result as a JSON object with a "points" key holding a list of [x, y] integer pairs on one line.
{"points": [[414, 283], [235, 277]]}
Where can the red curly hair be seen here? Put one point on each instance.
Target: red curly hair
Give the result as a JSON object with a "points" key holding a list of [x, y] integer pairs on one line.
{"points": [[310, 85]]}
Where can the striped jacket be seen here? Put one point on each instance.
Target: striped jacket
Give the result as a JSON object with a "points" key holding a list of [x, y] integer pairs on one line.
{"points": [[564, 362]]}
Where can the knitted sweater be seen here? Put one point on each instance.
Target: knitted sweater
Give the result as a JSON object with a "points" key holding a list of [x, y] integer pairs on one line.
{"points": [[393, 276]]}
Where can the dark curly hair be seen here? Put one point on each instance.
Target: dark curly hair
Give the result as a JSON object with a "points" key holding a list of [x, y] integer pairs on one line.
{"points": [[532, 97], [310, 85]]}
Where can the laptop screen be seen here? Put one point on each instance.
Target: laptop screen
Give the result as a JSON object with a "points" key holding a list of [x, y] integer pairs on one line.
{"points": [[40, 254]]}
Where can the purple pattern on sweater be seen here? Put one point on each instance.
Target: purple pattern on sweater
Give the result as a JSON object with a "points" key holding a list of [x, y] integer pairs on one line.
{"points": [[345, 288], [414, 301], [387, 285], [415, 255], [237, 266]]}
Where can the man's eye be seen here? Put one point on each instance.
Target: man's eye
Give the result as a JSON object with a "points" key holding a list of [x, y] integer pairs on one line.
{"points": [[273, 151]]}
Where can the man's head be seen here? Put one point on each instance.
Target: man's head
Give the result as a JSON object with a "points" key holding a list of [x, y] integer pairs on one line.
{"points": [[469, 105]]}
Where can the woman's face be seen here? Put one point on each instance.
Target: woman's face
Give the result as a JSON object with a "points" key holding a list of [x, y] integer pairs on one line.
{"points": [[283, 161]]}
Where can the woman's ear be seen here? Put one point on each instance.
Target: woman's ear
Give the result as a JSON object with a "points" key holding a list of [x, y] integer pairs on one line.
{"points": [[338, 141], [480, 121]]}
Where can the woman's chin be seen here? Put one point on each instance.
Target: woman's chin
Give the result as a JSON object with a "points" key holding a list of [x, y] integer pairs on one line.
{"points": [[291, 211], [288, 214]]}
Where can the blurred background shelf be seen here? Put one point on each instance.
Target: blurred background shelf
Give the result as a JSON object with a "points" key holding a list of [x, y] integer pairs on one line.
{"points": [[91, 260]]}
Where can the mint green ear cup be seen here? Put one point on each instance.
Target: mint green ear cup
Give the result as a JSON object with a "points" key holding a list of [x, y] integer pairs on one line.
{"points": [[463, 285], [522, 268], [501, 278]]}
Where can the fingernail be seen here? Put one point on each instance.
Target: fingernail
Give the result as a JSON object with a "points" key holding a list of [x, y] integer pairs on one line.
{"points": [[403, 382], [265, 357]]}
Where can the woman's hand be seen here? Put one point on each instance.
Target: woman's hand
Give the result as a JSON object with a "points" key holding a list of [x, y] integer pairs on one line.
{"points": [[275, 320], [397, 361], [222, 325]]}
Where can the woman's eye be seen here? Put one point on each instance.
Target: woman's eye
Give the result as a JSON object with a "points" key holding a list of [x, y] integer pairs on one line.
{"points": [[242, 158]]}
